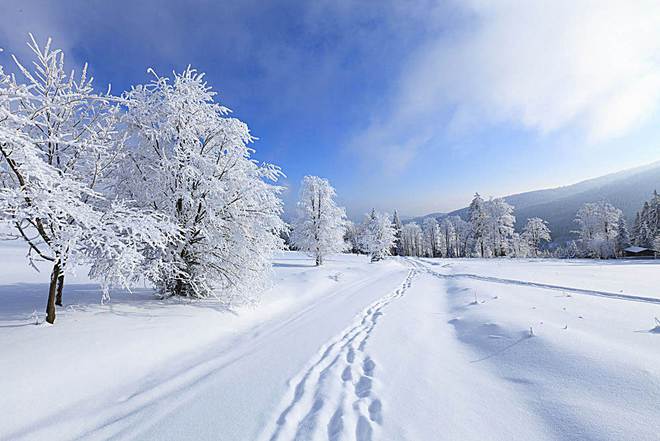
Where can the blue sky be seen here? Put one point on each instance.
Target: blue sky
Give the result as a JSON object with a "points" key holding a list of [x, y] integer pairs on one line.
{"points": [[413, 105]]}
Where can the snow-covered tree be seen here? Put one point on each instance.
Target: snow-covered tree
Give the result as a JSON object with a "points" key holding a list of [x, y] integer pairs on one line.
{"points": [[320, 226], [448, 232], [398, 246], [378, 235], [536, 231], [647, 222], [352, 237], [599, 223], [431, 233], [191, 162], [59, 143], [411, 235], [622, 237], [479, 224], [500, 220], [519, 246]]}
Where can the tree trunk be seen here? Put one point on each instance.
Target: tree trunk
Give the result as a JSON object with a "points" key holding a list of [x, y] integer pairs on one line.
{"points": [[319, 260], [60, 286], [52, 293]]}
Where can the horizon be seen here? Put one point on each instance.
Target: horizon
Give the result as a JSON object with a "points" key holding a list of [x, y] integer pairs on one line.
{"points": [[468, 98]]}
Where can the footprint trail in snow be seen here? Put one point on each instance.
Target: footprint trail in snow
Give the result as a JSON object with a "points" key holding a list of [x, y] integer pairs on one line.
{"points": [[334, 399]]}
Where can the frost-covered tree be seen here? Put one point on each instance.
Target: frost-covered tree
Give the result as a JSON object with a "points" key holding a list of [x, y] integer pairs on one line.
{"points": [[320, 226], [519, 246], [352, 237], [479, 224], [193, 163], [599, 223], [431, 233], [398, 246], [622, 237], [647, 222], [59, 143], [448, 233], [378, 235], [500, 220], [536, 231], [411, 234]]}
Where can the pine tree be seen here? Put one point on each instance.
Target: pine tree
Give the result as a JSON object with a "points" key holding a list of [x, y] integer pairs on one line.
{"points": [[321, 224], [637, 225], [622, 237], [398, 247], [378, 235]]}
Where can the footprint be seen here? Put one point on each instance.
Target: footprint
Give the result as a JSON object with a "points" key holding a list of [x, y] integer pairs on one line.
{"points": [[363, 387], [368, 367], [363, 431], [376, 411], [335, 426], [347, 375]]}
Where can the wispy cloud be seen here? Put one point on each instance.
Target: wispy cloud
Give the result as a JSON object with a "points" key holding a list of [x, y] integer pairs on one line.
{"points": [[585, 65]]}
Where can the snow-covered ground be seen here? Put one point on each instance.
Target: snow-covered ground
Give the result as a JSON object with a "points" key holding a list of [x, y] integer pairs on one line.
{"points": [[406, 349]]}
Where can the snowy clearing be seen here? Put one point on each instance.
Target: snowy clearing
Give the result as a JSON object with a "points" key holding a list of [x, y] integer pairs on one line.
{"points": [[403, 349]]}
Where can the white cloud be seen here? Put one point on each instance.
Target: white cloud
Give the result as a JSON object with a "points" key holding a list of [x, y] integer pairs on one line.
{"points": [[591, 65]]}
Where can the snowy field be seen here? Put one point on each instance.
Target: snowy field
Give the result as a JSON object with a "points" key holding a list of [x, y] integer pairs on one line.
{"points": [[406, 349]]}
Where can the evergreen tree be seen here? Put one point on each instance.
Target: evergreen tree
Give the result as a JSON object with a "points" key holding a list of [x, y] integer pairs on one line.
{"points": [[377, 235], [398, 247], [622, 237]]}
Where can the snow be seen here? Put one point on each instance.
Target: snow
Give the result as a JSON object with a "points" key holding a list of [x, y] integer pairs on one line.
{"points": [[402, 349], [635, 249]]}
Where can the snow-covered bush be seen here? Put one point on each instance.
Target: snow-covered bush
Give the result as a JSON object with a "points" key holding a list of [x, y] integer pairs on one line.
{"points": [[378, 235], [191, 162], [320, 226]]}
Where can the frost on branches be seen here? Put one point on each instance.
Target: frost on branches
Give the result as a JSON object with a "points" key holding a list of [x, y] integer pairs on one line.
{"points": [[58, 146], [192, 163], [536, 231], [378, 235], [599, 226], [321, 225]]}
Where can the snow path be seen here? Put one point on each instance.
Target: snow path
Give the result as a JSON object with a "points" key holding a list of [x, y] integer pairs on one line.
{"points": [[618, 296], [334, 395], [217, 401], [404, 349]]}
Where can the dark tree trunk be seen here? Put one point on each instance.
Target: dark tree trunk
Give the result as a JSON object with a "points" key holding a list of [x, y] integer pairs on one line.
{"points": [[178, 287], [319, 260], [52, 292], [60, 286]]}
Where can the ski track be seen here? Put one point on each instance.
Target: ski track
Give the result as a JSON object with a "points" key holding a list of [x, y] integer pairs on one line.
{"points": [[333, 399], [421, 265]]}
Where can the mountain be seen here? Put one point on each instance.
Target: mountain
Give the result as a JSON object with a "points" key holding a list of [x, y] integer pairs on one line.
{"points": [[626, 190]]}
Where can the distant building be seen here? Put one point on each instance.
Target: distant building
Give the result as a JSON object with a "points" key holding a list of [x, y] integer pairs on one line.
{"points": [[639, 252]]}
